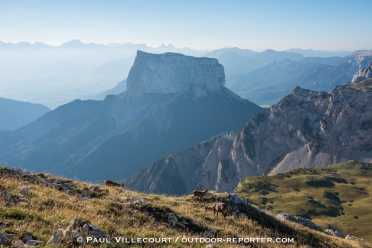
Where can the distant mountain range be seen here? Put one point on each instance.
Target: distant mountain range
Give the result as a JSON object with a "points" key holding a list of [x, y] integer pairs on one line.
{"points": [[54, 75], [16, 114], [269, 84], [171, 102], [319, 53]]}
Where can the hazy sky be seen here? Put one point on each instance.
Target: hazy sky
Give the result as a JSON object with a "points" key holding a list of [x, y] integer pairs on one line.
{"points": [[200, 24]]}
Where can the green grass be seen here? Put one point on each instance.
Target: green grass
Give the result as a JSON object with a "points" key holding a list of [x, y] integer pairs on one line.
{"points": [[336, 197]]}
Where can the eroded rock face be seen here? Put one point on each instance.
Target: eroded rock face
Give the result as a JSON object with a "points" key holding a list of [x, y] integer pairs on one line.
{"points": [[307, 129], [363, 74], [173, 73]]}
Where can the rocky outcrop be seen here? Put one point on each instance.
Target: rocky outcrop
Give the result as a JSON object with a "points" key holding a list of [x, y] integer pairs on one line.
{"points": [[299, 220], [363, 74], [173, 73]]}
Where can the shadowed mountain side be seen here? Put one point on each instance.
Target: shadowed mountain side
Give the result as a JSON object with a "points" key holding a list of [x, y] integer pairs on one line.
{"points": [[181, 123]]}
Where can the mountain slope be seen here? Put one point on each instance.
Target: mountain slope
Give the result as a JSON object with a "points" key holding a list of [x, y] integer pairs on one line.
{"points": [[118, 213], [16, 114], [335, 197], [305, 129]]}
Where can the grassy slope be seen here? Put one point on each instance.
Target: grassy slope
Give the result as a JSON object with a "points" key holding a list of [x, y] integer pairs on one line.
{"points": [[336, 197], [117, 219], [365, 85]]}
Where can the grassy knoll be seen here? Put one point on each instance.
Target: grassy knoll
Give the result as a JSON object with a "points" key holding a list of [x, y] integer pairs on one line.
{"points": [[336, 197], [115, 217]]}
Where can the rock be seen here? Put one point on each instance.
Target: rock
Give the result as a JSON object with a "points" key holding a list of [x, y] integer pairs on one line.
{"points": [[362, 74], [55, 239], [75, 222], [208, 234], [9, 236], [236, 200], [175, 73], [86, 228], [335, 233], [181, 225], [26, 238], [23, 199], [85, 193], [298, 219], [209, 246], [77, 235], [172, 219], [34, 242], [67, 186], [4, 240], [6, 195], [68, 232], [25, 190], [43, 206]]}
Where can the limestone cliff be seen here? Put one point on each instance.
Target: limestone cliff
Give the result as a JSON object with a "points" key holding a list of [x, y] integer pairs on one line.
{"points": [[173, 73], [363, 74]]}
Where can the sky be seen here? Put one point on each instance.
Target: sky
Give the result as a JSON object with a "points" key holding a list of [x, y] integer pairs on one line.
{"points": [[199, 24]]}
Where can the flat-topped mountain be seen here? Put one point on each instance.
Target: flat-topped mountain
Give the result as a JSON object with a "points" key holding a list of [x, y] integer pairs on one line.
{"points": [[173, 73], [172, 102], [305, 129]]}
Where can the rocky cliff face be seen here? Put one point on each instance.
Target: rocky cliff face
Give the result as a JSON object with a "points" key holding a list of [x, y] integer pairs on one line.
{"points": [[305, 129], [173, 73], [363, 74]]}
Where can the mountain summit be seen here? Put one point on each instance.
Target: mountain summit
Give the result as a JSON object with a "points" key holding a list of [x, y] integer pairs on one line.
{"points": [[173, 73]]}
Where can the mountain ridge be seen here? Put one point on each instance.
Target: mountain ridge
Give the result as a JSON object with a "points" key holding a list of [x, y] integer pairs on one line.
{"points": [[305, 129]]}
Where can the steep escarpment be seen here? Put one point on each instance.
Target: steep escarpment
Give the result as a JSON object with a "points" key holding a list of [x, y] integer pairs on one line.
{"points": [[173, 73], [172, 102], [305, 129]]}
